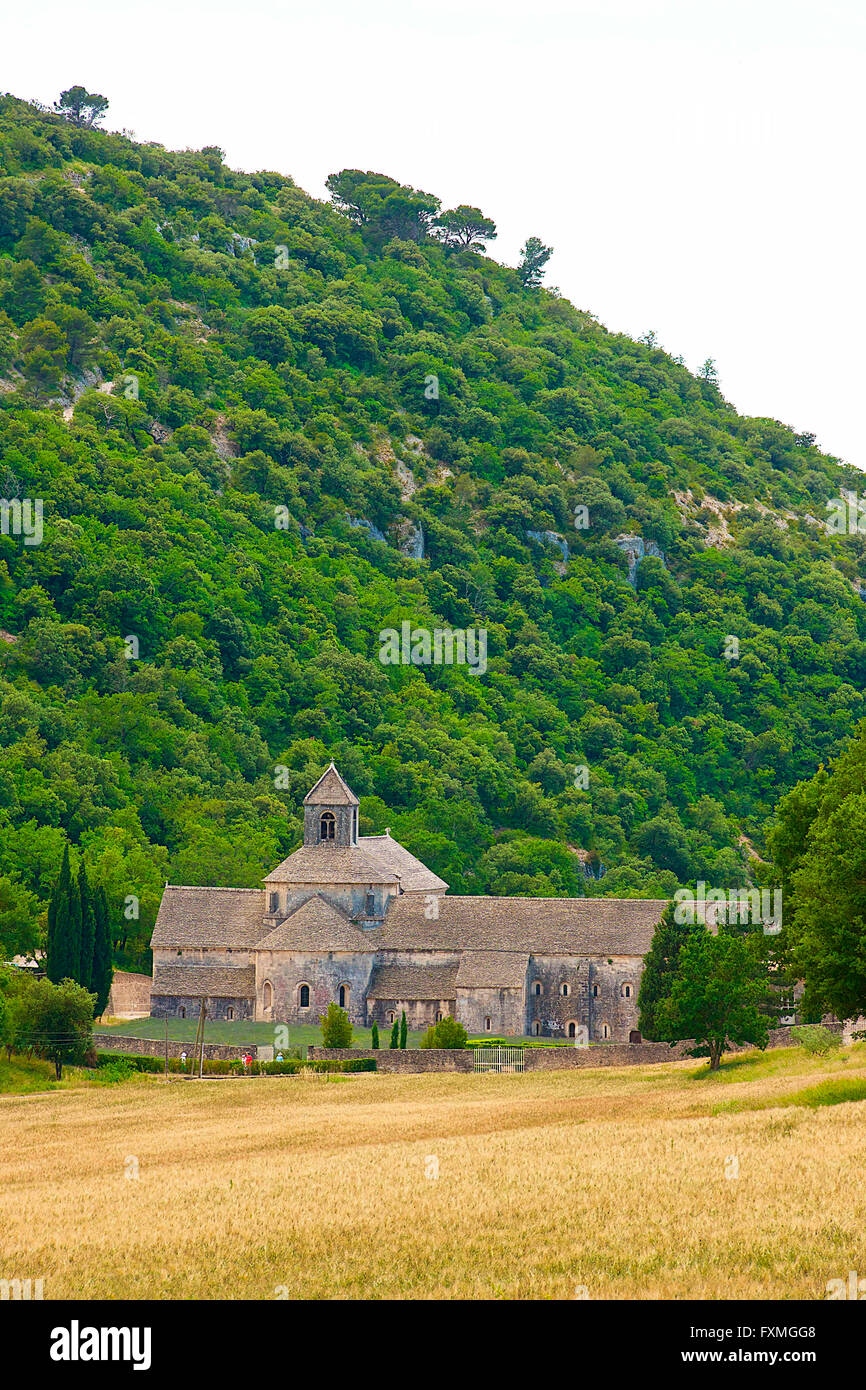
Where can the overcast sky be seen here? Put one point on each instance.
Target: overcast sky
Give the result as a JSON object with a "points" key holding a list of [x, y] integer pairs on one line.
{"points": [[697, 166]]}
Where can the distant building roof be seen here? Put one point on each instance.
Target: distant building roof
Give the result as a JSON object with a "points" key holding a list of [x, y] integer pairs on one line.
{"points": [[330, 790], [407, 982], [414, 876], [205, 981], [492, 970], [543, 926], [220, 917], [331, 863], [317, 925]]}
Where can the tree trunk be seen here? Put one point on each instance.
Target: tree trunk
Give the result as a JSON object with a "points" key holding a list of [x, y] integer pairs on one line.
{"points": [[58, 1069]]}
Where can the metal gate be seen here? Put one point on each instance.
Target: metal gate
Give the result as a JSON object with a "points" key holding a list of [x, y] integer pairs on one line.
{"points": [[499, 1058]]}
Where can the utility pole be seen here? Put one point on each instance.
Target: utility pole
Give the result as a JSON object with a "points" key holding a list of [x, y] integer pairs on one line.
{"points": [[166, 1047], [201, 1054]]}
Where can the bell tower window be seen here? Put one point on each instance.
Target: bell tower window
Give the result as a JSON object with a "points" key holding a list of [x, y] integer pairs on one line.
{"points": [[327, 826]]}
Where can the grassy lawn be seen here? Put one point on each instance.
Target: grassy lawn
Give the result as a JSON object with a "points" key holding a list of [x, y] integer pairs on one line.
{"points": [[218, 1031], [630, 1182], [22, 1076]]}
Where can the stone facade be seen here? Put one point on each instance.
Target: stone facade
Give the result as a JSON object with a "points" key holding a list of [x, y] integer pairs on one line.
{"points": [[360, 921]]}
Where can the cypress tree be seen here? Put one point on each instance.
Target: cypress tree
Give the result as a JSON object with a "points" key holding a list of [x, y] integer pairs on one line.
{"points": [[374, 1037], [395, 1035], [403, 1029], [65, 927], [88, 928], [102, 972], [56, 910]]}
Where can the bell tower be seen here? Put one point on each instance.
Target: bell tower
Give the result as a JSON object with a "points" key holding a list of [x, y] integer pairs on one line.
{"points": [[331, 813]]}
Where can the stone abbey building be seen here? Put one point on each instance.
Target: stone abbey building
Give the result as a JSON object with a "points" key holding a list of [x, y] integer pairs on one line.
{"points": [[359, 920]]}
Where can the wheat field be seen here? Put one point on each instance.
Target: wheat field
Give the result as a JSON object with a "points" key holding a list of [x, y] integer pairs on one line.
{"points": [[644, 1182]]}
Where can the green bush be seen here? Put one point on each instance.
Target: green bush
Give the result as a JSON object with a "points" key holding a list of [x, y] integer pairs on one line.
{"points": [[816, 1040], [336, 1027], [447, 1033]]}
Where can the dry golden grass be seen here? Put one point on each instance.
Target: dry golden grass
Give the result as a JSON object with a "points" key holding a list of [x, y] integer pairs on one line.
{"points": [[612, 1180]]}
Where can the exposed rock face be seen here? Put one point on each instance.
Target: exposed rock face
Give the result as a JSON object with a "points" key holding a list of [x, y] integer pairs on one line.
{"points": [[364, 524], [637, 549], [550, 538], [410, 539]]}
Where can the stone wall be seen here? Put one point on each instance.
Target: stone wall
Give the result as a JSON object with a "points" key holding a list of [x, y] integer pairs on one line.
{"points": [[129, 996], [286, 971], [416, 1059], [503, 1007], [601, 993], [189, 1006], [151, 1047]]}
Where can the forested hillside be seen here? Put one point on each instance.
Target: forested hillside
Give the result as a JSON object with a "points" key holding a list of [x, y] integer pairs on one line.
{"points": [[204, 608]]}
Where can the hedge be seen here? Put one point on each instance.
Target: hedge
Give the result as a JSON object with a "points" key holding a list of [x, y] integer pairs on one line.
{"points": [[235, 1067]]}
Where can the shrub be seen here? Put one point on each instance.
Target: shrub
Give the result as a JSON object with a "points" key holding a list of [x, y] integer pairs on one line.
{"points": [[336, 1028], [447, 1033], [374, 1037], [816, 1040]]}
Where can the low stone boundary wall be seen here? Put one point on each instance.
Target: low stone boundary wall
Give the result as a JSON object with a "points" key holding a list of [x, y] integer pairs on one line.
{"points": [[545, 1058], [413, 1059], [155, 1047]]}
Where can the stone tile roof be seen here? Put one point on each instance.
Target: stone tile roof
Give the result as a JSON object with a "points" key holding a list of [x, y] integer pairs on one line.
{"points": [[544, 926], [223, 917], [393, 857], [317, 925], [492, 970], [331, 863], [200, 981], [407, 982], [331, 790]]}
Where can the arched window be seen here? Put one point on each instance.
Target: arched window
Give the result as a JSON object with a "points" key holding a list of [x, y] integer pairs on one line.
{"points": [[230, 1013], [304, 997], [182, 1012], [487, 1023], [439, 1015], [565, 989], [268, 995], [596, 991], [538, 987], [605, 1030], [572, 1030], [343, 996], [391, 1016], [327, 826], [626, 991], [536, 1029]]}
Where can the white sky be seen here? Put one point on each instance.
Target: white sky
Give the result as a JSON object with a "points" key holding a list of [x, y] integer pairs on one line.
{"points": [[696, 164]]}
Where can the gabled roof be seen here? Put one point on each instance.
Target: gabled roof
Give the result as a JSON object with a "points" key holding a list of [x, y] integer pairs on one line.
{"points": [[205, 981], [330, 790], [492, 970], [412, 982], [330, 863], [541, 926], [223, 917], [414, 876], [317, 925]]}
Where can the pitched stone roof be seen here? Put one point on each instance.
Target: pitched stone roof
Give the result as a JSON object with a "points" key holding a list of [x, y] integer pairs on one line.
{"points": [[492, 970], [412, 982], [414, 877], [544, 926], [331, 863], [200, 981], [317, 925], [330, 790], [224, 917]]}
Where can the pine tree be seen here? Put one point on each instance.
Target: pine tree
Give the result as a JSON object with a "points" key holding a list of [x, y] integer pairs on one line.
{"points": [[403, 1029], [103, 970], [374, 1037], [88, 928], [395, 1035]]}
